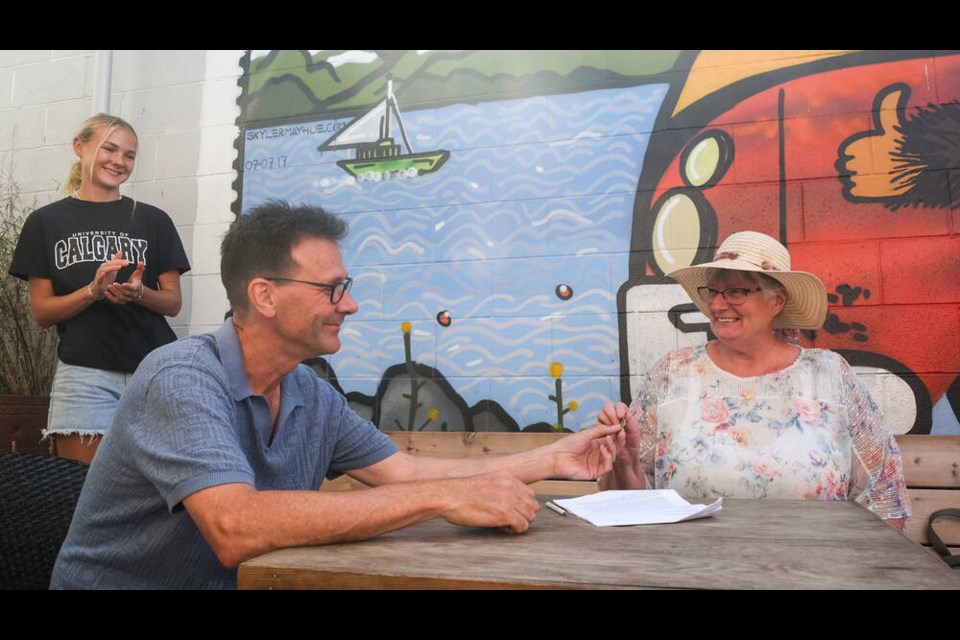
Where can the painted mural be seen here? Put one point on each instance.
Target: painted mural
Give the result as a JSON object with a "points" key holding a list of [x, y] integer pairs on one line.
{"points": [[512, 214]]}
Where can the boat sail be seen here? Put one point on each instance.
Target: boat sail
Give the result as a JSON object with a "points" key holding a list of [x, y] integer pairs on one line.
{"points": [[377, 156]]}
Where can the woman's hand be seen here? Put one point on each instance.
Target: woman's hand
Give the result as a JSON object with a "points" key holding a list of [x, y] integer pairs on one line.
{"points": [[626, 472], [106, 276], [629, 440], [129, 291]]}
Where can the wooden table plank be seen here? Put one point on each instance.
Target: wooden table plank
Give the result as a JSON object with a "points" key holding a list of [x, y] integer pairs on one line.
{"points": [[750, 544]]}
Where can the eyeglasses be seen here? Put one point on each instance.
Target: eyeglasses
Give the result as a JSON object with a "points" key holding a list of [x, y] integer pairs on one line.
{"points": [[734, 295], [337, 291]]}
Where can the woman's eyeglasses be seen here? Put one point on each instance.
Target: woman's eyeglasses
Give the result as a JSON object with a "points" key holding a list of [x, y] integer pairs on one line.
{"points": [[733, 295]]}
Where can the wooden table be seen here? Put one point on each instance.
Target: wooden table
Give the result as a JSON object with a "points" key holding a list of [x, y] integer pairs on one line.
{"points": [[750, 544]]}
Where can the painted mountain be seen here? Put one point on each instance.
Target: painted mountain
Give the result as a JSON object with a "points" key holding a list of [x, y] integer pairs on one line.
{"points": [[294, 84]]}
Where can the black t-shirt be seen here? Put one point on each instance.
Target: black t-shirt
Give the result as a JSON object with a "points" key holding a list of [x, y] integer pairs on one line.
{"points": [[65, 242]]}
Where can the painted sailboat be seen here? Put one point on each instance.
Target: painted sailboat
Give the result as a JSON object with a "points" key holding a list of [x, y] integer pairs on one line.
{"points": [[376, 154]]}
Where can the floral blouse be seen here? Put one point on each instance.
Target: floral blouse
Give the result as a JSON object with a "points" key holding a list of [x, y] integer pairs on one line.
{"points": [[809, 431]]}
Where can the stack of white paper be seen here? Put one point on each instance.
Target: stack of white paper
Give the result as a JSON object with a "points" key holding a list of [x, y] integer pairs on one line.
{"points": [[641, 506]]}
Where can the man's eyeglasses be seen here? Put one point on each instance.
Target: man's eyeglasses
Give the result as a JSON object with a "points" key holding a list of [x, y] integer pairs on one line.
{"points": [[337, 291], [734, 295]]}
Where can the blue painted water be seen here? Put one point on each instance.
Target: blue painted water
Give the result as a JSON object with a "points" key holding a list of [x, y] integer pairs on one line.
{"points": [[536, 193]]}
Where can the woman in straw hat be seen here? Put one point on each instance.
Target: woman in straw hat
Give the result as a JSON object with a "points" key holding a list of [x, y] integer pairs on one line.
{"points": [[752, 414]]}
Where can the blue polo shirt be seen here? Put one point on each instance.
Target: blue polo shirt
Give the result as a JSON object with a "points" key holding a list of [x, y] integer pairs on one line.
{"points": [[187, 421]]}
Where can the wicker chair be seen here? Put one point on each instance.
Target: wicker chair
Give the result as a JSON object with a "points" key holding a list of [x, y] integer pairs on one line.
{"points": [[38, 494]]}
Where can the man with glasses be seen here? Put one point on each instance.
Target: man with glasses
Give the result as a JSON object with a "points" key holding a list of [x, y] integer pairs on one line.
{"points": [[222, 440]]}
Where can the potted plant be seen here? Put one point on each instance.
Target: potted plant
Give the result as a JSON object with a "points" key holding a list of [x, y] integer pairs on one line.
{"points": [[28, 354]]}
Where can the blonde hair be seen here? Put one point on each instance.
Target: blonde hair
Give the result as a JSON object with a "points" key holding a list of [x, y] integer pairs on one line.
{"points": [[91, 125]]}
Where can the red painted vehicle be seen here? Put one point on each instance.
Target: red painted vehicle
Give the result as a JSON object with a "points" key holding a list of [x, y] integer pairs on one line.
{"points": [[851, 161]]}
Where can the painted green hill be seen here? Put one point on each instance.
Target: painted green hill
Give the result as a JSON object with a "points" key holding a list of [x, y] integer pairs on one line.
{"points": [[294, 84]]}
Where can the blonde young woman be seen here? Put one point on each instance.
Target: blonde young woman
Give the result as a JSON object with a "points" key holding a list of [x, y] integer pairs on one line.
{"points": [[105, 269], [751, 414]]}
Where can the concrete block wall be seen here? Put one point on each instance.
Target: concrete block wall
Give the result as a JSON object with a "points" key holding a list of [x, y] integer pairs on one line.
{"points": [[183, 105]]}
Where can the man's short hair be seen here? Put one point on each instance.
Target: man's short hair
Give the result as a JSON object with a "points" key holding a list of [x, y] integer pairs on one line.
{"points": [[259, 243]]}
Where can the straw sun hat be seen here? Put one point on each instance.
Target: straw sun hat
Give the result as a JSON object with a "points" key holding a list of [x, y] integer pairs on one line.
{"points": [[806, 306]]}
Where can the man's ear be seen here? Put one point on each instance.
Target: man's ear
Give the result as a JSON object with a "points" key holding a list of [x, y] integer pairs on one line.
{"points": [[263, 297]]}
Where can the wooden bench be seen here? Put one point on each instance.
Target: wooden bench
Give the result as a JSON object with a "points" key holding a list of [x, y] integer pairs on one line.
{"points": [[931, 465]]}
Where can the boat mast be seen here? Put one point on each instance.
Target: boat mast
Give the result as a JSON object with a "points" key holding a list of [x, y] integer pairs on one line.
{"points": [[392, 108]]}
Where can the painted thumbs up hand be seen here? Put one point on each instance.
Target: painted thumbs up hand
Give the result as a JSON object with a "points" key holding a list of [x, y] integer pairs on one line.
{"points": [[872, 162]]}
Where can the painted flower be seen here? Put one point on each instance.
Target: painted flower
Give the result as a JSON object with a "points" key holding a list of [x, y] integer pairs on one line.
{"points": [[741, 436], [748, 395], [433, 413], [681, 356], [834, 484], [804, 491], [765, 467], [556, 369], [817, 458], [663, 445], [808, 411], [574, 405], [701, 368], [405, 327], [714, 411], [666, 468]]}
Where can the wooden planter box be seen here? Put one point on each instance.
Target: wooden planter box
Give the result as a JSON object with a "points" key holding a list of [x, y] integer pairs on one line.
{"points": [[22, 420]]}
